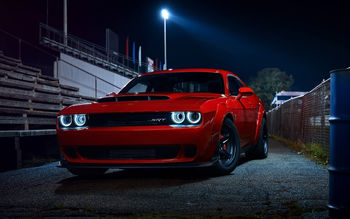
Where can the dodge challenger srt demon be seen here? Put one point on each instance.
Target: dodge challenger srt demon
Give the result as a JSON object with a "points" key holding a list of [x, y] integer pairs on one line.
{"points": [[174, 118]]}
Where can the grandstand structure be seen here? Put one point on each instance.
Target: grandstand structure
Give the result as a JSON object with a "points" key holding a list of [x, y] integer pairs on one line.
{"points": [[89, 52], [29, 104], [29, 99], [95, 70]]}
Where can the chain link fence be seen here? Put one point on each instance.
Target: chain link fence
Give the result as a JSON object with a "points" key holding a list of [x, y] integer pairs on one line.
{"points": [[305, 118]]}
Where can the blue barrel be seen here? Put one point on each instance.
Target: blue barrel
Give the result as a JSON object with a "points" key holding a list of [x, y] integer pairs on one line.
{"points": [[339, 167]]}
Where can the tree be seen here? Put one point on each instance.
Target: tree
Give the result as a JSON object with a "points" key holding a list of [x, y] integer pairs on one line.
{"points": [[268, 82]]}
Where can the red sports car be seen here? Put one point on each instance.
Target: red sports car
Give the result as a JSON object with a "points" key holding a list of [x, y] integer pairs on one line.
{"points": [[174, 118]]}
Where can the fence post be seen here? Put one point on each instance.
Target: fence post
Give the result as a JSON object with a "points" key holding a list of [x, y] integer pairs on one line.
{"points": [[339, 168]]}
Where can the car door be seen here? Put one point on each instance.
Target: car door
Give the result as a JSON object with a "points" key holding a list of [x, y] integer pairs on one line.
{"points": [[251, 106], [245, 109]]}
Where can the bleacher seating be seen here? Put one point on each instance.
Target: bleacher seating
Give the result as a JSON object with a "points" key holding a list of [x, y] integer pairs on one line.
{"points": [[30, 100]]}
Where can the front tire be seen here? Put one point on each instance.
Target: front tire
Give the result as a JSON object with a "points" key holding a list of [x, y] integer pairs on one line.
{"points": [[228, 149], [87, 172]]}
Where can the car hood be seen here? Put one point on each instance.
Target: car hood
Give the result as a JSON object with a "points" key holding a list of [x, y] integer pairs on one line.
{"points": [[159, 102]]}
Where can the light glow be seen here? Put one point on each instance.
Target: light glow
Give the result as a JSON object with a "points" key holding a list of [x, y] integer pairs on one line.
{"points": [[65, 120], [80, 119], [165, 14], [193, 117], [178, 117]]}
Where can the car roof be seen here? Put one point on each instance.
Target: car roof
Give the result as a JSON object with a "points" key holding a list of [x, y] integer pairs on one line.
{"points": [[208, 70]]}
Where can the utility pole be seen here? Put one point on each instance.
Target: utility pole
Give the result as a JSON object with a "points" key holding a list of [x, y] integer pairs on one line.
{"points": [[65, 21], [47, 12]]}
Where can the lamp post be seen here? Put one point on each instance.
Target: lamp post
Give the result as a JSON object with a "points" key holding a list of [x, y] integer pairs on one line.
{"points": [[165, 15]]}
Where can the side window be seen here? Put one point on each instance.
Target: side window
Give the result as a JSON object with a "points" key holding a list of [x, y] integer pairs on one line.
{"points": [[138, 88], [234, 85]]}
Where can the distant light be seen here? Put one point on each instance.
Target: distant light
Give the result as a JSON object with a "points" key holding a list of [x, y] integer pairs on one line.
{"points": [[165, 14]]}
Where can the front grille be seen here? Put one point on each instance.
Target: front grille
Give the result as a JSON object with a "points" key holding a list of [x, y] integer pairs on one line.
{"points": [[128, 152], [128, 119]]}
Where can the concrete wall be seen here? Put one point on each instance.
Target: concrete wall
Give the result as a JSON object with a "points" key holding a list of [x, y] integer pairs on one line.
{"points": [[72, 71]]}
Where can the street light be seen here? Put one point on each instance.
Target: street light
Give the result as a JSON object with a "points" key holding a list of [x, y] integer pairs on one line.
{"points": [[165, 15]]}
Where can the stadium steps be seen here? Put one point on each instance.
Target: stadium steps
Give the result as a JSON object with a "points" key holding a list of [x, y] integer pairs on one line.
{"points": [[30, 100]]}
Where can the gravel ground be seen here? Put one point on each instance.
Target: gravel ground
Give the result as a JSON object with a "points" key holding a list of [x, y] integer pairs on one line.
{"points": [[282, 186]]}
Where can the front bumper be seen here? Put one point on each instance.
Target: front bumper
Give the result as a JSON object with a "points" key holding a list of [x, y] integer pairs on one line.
{"points": [[75, 143]]}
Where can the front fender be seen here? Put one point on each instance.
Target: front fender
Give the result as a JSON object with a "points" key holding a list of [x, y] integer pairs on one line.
{"points": [[221, 113]]}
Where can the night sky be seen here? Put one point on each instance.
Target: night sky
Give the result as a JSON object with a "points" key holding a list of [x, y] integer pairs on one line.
{"points": [[306, 40]]}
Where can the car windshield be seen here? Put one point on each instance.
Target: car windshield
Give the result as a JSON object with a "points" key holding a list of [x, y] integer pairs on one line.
{"points": [[183, 82]]}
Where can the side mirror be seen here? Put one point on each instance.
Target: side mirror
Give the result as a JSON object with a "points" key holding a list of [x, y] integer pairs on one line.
{"points": [[244, 91]]}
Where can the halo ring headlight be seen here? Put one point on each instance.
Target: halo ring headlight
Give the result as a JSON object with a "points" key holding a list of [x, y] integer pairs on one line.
{"points": [[80, 119], [66, 120], [178, 117], [193, 117]]}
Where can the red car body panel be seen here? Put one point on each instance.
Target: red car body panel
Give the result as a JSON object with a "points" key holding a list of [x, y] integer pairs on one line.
{"points": [[247, 114]]}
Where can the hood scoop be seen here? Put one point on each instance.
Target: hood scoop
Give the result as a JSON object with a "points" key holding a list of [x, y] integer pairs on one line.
{"points": [[132, 98]]}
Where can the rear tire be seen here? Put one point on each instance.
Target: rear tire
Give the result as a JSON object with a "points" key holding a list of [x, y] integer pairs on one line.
{"points": [[87, 172], [228, 149], [261, 149]]}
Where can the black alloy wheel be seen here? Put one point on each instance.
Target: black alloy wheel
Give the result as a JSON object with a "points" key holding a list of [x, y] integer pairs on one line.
{"points": [[228, 149]]}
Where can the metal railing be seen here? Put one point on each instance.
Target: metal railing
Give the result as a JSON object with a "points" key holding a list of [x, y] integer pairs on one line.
{"points": [[24, 49], [304, 118], [96, 78], [90, 52]]}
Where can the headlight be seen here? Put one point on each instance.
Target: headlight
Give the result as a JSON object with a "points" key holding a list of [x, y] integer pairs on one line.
{"points": [[178, 117], [80, 119], [193, 117], [65, 120]]}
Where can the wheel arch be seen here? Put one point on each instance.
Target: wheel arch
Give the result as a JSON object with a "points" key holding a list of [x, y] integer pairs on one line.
{"points": [[221, 113], [229, 116]]}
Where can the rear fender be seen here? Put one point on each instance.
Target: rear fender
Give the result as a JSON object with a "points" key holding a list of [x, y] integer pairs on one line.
{"points": [[261, 115]]}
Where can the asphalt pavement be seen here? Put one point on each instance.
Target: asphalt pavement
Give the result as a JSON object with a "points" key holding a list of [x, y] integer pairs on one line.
{"points": [[283, 185]]}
